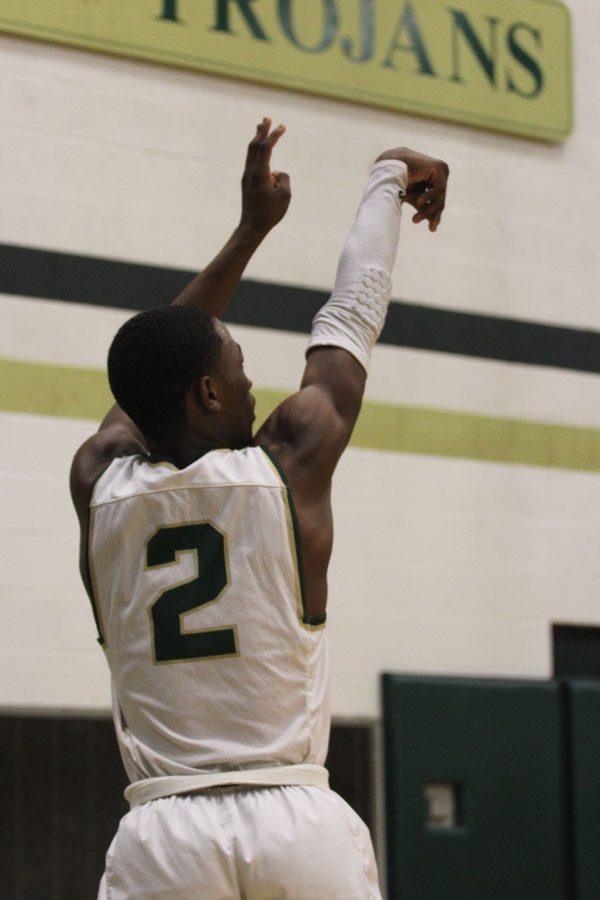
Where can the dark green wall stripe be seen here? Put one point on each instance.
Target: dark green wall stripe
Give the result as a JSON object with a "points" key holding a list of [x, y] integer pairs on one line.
{"points": [[26, 271]]}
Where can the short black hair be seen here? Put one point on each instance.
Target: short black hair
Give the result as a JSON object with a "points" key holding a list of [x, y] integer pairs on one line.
{"points": [[154, 359]]}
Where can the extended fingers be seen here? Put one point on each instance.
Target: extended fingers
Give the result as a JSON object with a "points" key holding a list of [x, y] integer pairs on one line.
{"points": [[262, 129], [256, 146], [273, 138], [261, 145]]}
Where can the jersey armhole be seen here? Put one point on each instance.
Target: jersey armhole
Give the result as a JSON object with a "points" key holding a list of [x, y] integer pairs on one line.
{"points": [[307, 620], [88, 577]]}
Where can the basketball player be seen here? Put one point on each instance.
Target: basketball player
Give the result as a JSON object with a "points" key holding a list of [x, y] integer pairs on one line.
{"points": [[205, 551]]}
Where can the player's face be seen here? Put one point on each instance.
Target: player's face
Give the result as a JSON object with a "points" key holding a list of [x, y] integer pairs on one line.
{"points": [[234, 392]]}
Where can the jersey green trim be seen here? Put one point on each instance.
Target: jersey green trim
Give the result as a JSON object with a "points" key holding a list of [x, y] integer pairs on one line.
{"points": [[307, 619], [88, 577]]}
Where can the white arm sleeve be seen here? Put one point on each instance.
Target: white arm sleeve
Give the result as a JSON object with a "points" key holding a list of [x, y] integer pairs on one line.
{"points": [[354, 315]]}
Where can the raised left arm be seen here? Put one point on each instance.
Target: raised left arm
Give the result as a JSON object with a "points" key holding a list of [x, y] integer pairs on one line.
{"points": [[265, 199]]}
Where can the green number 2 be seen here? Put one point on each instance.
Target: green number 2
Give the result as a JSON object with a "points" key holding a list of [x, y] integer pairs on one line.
{"points": [[162, 549]]}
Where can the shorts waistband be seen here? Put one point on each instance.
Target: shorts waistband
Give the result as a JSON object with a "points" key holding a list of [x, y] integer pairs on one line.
{"points": [[276, 776]]}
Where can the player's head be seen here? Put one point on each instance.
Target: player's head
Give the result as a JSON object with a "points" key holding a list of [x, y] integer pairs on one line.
{"points": [[169, 366]]}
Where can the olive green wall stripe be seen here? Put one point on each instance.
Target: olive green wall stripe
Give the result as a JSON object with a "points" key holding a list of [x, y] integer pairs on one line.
{"points": [[79, 393], [49, 390], [436, 432], [445, 433]]}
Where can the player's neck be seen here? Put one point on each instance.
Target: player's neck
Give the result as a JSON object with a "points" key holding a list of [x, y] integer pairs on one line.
{"points": [[183, 450]]}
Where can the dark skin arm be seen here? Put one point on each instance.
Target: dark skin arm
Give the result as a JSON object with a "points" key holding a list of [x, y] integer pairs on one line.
{"points": [[265, 199], [310, 430]]}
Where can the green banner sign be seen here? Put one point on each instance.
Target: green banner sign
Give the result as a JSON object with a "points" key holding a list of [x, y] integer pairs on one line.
{"points": [[499, 64]]}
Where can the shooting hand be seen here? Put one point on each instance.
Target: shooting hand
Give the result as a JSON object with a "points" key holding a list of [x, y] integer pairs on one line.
{"points": [[427, 183], [266, 195]]}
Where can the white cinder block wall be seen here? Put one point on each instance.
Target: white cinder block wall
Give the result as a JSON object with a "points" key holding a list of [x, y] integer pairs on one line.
{"points": [[440, 565]]}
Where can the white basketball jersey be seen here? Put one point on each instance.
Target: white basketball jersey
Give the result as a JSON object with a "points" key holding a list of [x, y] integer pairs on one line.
{"points": [[197, 586]]}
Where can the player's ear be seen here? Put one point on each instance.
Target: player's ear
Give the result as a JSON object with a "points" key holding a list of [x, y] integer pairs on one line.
{"points": [[204, 394]]}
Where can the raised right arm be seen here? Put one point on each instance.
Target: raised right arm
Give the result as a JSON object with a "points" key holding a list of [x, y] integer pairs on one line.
{"points": [[310, 430]]}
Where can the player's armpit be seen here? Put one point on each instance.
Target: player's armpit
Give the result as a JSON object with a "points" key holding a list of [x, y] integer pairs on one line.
{"points": [[115, 439], [307, 433], [340, 376]]}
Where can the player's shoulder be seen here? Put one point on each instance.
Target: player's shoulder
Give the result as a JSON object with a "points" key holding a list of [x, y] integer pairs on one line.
{"points": [[306, 414], [307, 422], [306, 435], [94, 456]]}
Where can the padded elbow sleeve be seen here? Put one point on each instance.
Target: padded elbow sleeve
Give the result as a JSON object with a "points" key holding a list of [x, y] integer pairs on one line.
{"points": [[355, 313]]}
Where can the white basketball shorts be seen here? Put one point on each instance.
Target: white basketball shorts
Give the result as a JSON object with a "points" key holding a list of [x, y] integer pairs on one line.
{"points": [[276, 843]]}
